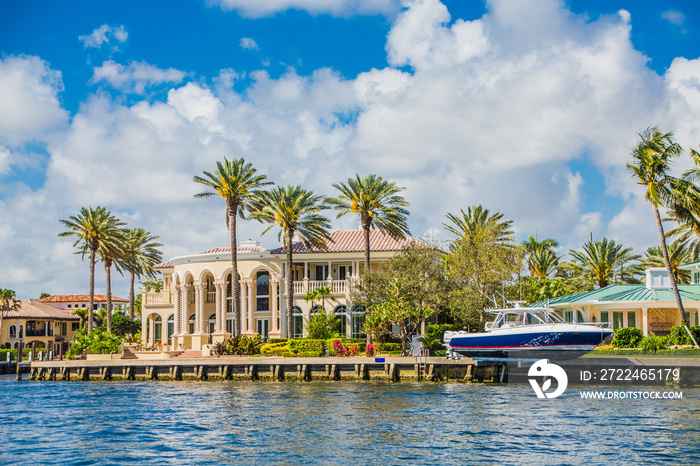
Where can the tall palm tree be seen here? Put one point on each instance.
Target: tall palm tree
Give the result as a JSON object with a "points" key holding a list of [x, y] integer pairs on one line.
{"points": [[478, 219], [598, 259], [8, 302], [296, 211], [650, 167], [238, 183], [142, 254], [378, 203], [92, 227], [112, 251], [321, 293]]}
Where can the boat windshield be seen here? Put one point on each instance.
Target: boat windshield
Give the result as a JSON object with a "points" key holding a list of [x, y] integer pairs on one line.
{"points": [[520, 316]]}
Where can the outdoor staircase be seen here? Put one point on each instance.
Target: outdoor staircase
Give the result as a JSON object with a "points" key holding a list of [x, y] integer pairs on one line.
{"points": [[128, 354], [190, 354]]}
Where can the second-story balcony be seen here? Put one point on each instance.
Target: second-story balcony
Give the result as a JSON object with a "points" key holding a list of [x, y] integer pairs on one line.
{"points": [[162, 297], [338, 287]]}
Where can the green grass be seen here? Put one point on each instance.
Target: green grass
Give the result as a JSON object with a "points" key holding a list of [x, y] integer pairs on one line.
{"points": [[687, 353]]}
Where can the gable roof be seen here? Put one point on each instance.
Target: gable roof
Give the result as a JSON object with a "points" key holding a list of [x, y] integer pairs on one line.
{"points": [[353, 241], [80, 298], [622, 293], [32, 308]]}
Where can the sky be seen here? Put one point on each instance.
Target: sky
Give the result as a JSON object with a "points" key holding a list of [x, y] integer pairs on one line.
{"points": [[529, 108]]}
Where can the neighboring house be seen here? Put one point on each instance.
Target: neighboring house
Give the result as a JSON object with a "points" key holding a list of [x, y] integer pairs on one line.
{"points": [[194, 308], [75, 301], [650, 307], [40, 323]]}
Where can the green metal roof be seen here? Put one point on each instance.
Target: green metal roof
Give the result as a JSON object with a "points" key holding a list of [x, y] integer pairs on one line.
{"points": [[688, 265], [620, 293]]}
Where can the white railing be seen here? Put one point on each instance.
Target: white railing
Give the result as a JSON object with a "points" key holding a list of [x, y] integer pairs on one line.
{"points": [[158, 298], [336, 286], [211, 296], [298, 288], [313, 284]]}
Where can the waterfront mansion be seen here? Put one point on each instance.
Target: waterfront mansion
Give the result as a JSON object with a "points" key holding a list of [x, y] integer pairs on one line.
{"points": [[194, 307]]}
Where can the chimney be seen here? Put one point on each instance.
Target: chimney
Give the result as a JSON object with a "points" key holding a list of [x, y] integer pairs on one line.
{"points": [[657, 278]]}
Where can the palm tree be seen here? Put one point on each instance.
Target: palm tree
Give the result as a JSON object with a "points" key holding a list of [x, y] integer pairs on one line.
{"points": [[597, 261], [112, 251], [238, 183], [477, 219], [378, 204], [541, 259], [142, 254], [92, 227], [650, 167], [83, 314], [321, 293], [296, 211], [678, 254], [8, 302]]}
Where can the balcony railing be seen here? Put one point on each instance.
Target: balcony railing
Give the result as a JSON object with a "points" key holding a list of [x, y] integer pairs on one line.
{"points": [[158, 298], [338, 287]]}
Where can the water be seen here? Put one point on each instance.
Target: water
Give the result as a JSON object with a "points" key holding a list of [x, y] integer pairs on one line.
{"points": [[336, 423]]}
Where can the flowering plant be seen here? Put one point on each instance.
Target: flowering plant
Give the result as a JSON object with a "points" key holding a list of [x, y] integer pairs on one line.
{"points": [[354, 349], [370, 350], [339, 348]]}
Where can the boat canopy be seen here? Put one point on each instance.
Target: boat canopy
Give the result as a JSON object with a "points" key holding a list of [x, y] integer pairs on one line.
{"points": [[516, 316]]}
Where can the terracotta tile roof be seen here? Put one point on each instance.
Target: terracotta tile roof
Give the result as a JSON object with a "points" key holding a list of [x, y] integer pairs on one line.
{"points": [[353, 241], [164, 265], [80, 298], [227, 250], [31, 308]]}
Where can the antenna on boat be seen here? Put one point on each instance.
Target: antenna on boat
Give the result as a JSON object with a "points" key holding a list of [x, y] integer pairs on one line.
{"points": [[487, 297]]}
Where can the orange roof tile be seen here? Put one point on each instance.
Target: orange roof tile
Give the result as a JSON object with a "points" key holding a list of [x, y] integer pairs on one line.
{"points": [[353, 241], [80, 298], [31, 308]]}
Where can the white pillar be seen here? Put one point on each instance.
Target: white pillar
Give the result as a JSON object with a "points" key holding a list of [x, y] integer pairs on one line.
{"points": [[251, 308], [199, 307], [185, 309], [274, 302], [220, 312], [645, 322], [177, 310]]}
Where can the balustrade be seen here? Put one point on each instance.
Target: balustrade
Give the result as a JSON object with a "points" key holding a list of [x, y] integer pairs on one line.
{"points": [[336, 286]]}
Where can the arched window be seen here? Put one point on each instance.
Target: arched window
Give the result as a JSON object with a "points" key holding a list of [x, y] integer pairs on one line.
{"points": [[358, 320], [171, 328], [262, 291], [298, 323], [212, 324], [8, 345], [13, 331], [158, 329], [342, 313], [192, 324], [16, 345], [315, 309]]}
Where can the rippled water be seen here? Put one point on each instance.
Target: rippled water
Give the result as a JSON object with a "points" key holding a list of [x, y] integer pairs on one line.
{"points": [[336, 423]]}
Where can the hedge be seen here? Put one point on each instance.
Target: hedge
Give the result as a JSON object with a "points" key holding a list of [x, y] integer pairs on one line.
{"points": [[627, 337], [306, 346], [274, 349], [680, 336], [13, 353]]}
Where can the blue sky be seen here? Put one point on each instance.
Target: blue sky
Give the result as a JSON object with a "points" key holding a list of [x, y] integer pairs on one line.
{"points": [[528, 108]]}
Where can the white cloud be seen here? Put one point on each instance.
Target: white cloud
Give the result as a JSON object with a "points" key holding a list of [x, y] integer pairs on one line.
{"points": [[4, 160], [673, 17], [30, 107], [248, 43], [104, 35], [344, 8], [491, 112], [135, 77]]}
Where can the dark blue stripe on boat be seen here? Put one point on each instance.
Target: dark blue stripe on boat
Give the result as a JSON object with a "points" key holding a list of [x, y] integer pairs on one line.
{"points": [[519, 340]]}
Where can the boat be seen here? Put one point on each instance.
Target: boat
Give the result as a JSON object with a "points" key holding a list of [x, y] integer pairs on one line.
{"points": [[528, 332]]}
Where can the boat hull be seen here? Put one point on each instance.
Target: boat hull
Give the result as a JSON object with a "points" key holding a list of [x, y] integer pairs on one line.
{"points": [[558, 342]]}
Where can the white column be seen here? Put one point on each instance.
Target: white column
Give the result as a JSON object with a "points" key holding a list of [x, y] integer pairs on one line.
{"points": [[177, 310], [184, 309], [250, 326], [244, 305], [199, 307], [274, 302], [645, 322], [144, 336], [220, 308]]}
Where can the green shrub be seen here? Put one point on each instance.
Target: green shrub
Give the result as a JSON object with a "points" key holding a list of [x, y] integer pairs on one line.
{"points": [[277, 340], [309, 354], [627, 337], [437, 331], [306, 345], [98, 342], [323, 325], [287, 354], [680, 336], [274, 349], [123, 325], [13, 354], [652, 343], [390, 347]]}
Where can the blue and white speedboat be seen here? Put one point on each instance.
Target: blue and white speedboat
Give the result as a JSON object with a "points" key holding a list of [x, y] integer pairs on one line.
{"points": [[524, 332]]}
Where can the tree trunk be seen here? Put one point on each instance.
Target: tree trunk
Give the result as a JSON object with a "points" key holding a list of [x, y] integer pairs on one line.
{"points": [[366, 226], [235, 280], [131, 295], [108, 270], [290, 286], [664, 251], [92, 289]]}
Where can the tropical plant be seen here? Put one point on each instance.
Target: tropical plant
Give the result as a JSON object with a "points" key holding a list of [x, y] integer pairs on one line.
{"points": [[142, 254], [8, 302], [321, 293], [378, 203], [94, 228], [81, 312], [124, 325], [153, 285], [322, 325], [476, 220], [627, 337], [650, 167], [296, 212], [541, 258], [239, 184], [44, 295], [678, 254], [652, 343], [98, 341], [112, 251], [596, 263]]}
